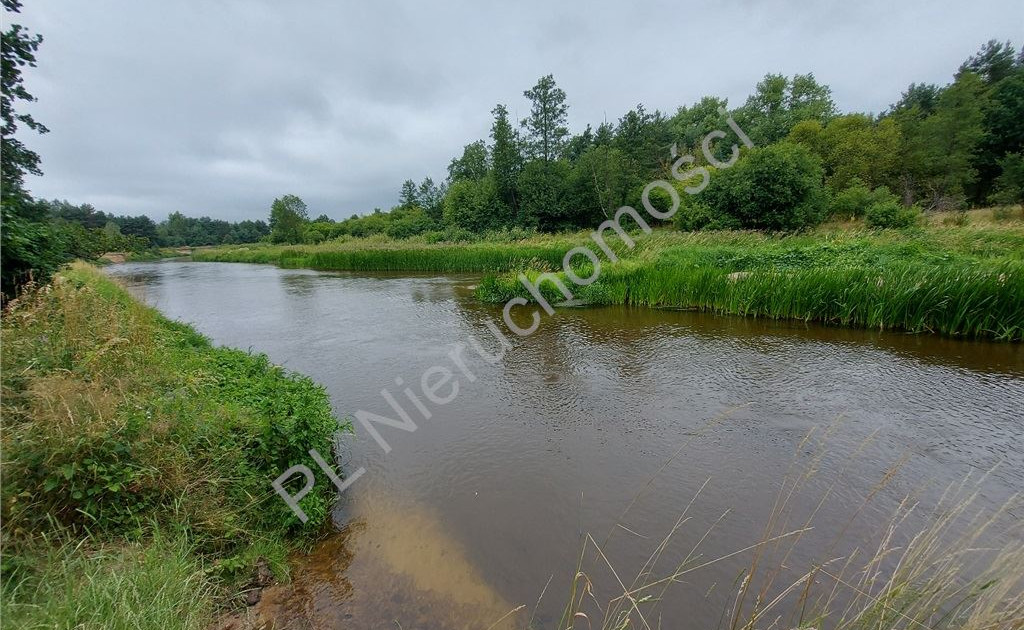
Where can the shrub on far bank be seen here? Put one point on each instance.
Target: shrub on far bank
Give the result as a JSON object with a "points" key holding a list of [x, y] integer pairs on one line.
{"points": [[777, 187], [853, 202], [891, 214]]}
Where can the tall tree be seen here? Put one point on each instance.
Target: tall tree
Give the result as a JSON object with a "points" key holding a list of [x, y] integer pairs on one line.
{"points": [[940, 149], [28, 242], [779, 103], [408, 197], [430, 197], [993, 63], [288, 217], [505, 157], [473, 164], [19, 51], [546, 129]]}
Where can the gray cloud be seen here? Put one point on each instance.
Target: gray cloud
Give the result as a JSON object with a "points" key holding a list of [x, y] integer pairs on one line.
{"points": [[218, 107]]}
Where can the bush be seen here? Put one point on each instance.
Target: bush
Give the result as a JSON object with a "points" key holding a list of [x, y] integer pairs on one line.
{"points": [[698, 216], [115, 417], [853, 202], [778, 187], [889, 213]]}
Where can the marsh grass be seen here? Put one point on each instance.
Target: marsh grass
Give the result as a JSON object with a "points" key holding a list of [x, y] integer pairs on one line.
{"points": [[969, 284], [941, 576]]}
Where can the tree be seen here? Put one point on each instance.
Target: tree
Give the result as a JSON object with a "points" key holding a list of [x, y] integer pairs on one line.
{"points": [[409, 196], [921, 98], [853, 147], [598, 185], [505, 158], [940, 148], [28, 241], [777, 187], [431, 198], [644, 139], [288, 218], [546, 129], [691, 124], [1009, 186], [542, 191], [469, 204], [994, 62], [778, 103], [473, 164]]}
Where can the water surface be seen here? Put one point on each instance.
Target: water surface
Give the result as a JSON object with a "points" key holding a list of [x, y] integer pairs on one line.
{"points": [[471, 515]]}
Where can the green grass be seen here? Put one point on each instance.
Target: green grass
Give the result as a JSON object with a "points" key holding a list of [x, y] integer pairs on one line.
{"points": [[379, 254], [954, 280], [158, 585], [118, 424]]}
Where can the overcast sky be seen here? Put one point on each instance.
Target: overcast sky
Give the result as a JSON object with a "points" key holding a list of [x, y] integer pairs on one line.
{"points": [[216, 107]]}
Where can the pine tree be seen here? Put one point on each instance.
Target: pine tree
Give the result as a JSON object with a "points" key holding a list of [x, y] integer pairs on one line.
{"points": [[505, 157], [546, 127]]}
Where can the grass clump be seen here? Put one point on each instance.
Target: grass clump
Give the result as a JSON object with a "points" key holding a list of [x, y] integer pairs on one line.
{"points": [[118, 422], [157, 585]]}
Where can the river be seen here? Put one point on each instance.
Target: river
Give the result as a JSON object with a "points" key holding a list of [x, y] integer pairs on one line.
{"points": [[608, 421]]}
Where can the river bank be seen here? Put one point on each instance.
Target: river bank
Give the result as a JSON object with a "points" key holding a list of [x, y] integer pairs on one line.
{"points": [[137, 459], [942, 277]]}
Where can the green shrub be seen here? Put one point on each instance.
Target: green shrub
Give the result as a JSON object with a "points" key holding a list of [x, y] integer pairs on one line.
{"points": [[114, 417], [853, 202], [890, 214], [699, 216], [777, 187]]}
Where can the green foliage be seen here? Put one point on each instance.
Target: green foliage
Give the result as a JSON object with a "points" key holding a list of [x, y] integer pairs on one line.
{"points": [[889, 213], [940, 147], [542, 193], [853, 147], [853, 202], [288, 219], [506, 158], [546, 131], [473, 165], [1009, 186], [159, 585], [115, 417], [471, 204], [779, 102], [777, 187]]}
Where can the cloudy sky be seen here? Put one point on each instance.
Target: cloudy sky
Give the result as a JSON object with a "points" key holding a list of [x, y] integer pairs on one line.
{"points": [[216, 107]]}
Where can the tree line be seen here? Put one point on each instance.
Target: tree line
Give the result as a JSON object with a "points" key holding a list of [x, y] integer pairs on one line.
{"points": [[936, 148]]}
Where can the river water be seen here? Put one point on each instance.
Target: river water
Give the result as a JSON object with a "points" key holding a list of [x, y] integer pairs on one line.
{"points": [[607, 422]]}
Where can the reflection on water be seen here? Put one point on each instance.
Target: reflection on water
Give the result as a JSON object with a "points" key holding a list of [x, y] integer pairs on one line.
{"points": [[469, 516]]}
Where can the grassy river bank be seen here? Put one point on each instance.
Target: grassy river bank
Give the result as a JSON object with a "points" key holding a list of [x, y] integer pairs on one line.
{"points": [[137, 461], [959, 279]]}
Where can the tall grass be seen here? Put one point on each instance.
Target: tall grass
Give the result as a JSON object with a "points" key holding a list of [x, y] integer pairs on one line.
{"points": [[884, 285], [160, 585], [118, 423]]}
